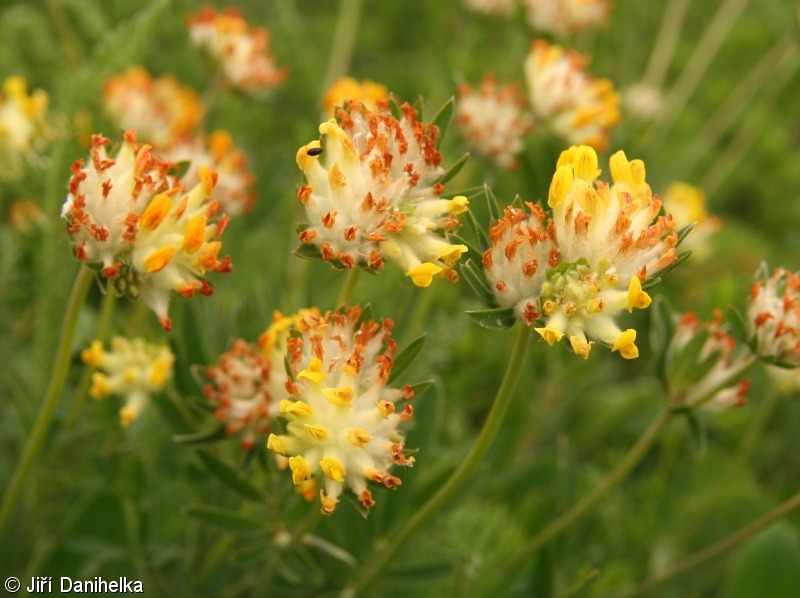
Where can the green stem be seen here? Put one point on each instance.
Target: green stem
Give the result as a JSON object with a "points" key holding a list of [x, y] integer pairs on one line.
{"points": [[620, 472], [717, 549], [666, 42], [389, 548], [344, 41], [349, 287], [47, 410]]}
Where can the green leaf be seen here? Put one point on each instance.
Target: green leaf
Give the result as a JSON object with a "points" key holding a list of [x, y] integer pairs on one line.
{"points": [[229, 476], [497, 319], [766, 565], [475, 279], [454, 169], [404, 358], [444, 117], [225, 518], [737, 324], [204, 437], [661, 332], [307, 251]]}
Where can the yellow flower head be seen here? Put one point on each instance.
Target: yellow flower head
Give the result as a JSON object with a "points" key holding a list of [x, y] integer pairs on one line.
{"points": [[341, 418], [160, 110], [372, 194], [566, 18], [133, 220], [132, 368], [774, 316], [492, 120], [242, 54], [22, 125], [246, 387], [566, 99], [367, 92]]}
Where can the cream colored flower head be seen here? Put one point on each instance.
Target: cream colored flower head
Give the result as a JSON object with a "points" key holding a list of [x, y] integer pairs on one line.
{"points": [[566, 18], [22, 125], [499, 8], [367, 92], [341, 417], [774, 317], [523, 249], [610, 240], [246, 387], [721, 348], [217, 152], [126, 215], [242, 54], [492, 120], [566, 99], [160, 110], [131, 368], [687, 205], [372, 194]]}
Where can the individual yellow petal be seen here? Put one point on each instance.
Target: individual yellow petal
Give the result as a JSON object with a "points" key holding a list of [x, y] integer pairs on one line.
{"points": [[296, 408], [317, 432], [94, 354], [580, 346], [625, 344], [452, 254], [300, 470], [560, 185], [195, 234], [342, 397], [305, 159], [275, 443], [159, 259], [636, 296], [459, 204], [314, 371], [422, 275], [358, 437], [100, 386], [328, 503], [128, 415], [155, 212], [332, 468], [551, 335], [159, 372], [584, 163]]}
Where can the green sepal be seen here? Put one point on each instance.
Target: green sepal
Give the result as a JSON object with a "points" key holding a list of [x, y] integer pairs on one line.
{"points": [[495, 319], [478, 233], [229, 476], [737, 325], [405, 358], [661, 332], [442, 119], [685, 231], [224, 518], [491, 201], [473, 274], [454, 169], [772, 360]]}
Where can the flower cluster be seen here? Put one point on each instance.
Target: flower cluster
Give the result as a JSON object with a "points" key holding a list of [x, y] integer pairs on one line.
{"points": [[566, 99], [22, 124], [580, 269], [492, 120], [774, 317], [367, 92], [242, 54], [127, 215], [704, 374], [217, 152], [161, 110], [132, 368], [566, 17], [341, 417], [372, 193]]}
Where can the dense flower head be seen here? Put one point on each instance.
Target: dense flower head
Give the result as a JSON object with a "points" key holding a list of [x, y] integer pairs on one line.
{"points": [[523, 249], [245, 386], [234, 189], [774, 316], [566, 17], [610, 240], [492, 120], [22, 124], [241, 53], [367, 92], [719, 348], [132, 368], [568, 100], [160, 110], [372, 193], [687, 205], [129, 217], [341, 418]]}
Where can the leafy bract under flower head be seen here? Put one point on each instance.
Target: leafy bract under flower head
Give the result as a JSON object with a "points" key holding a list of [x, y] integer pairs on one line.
{"points": [[492, 120], [129, 217], [341, 417], [566, 99], [372, 194], [774, 317], [132, 368], [242, 54]]}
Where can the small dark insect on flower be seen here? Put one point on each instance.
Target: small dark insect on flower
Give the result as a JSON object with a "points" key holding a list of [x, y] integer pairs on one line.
{"points": [[314, 151]]}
